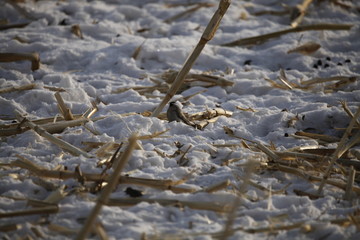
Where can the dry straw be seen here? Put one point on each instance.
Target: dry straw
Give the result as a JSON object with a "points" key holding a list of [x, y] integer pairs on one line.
{"points": [[32, 211], [16, 25], [348, 111], [329, 79], [17, 88], [341, 149], [302, 9], [42, 132], [265, 37]]}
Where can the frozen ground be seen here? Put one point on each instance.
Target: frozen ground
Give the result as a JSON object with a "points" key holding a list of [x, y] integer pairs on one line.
{"points": [[92, 68]]}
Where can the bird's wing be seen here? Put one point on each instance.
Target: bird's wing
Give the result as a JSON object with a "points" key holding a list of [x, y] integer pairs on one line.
{"points": [[184, 119]]}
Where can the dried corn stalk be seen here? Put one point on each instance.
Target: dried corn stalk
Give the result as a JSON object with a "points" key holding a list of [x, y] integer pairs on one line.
{"points": [[207, 35], [262, 38]]}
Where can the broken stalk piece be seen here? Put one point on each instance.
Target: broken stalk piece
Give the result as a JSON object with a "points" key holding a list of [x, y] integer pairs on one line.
{"points": [[13, 57]]}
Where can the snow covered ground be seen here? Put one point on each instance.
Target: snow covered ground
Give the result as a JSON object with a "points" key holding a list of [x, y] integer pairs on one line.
{"points": [[95, 67]]}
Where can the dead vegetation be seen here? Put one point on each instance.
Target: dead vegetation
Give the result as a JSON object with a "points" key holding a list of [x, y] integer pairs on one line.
{"points": [[321, 165]]}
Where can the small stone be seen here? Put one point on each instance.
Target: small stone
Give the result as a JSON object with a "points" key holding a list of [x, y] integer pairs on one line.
{"points": [[319, 62], [326, 65], [348, 61]]}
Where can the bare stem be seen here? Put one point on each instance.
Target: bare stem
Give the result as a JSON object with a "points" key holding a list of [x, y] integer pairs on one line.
{"points": [[208, 34]]}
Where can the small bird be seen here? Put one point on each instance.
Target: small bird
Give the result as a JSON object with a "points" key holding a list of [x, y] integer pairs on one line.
{"points": [[174, 113]]}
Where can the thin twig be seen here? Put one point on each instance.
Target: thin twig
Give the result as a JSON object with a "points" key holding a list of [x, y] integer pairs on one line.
{"points": [[309, 177], [51, 128], [64, 110], [42, 132], [227, 232], [16, 25], [188, 11], [339, 150], [183, 161], [355, 139], [350, 184], [302, 8], [300, 155], [32, 211], [164, 184], [321, 137]]}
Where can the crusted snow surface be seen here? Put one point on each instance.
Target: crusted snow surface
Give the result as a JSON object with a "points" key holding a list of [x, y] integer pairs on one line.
{"points": [[92, 68]]}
